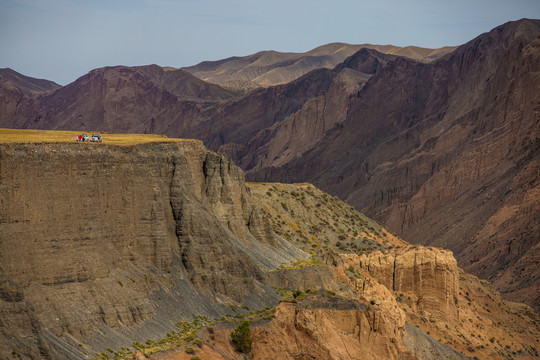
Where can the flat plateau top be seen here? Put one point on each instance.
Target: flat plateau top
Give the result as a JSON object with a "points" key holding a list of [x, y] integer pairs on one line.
{"points": [[53, 136]]}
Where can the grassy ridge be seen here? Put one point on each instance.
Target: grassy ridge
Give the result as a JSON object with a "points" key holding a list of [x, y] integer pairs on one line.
{"points": [[53, 136]]}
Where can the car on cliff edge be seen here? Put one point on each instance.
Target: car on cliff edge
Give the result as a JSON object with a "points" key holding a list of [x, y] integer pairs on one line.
{"points": [[96, 138], [82, 137]]}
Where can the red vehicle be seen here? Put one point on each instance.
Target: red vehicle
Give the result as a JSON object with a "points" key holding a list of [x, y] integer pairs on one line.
{"points": [[82, 137]]}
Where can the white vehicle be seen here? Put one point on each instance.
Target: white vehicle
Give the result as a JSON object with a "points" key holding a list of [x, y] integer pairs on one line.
{"points": [[82, 137], [95, 138]]}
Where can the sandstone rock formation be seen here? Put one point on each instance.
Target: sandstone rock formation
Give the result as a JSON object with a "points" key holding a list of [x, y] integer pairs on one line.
{"points": [[456, 309], [430, 277]]}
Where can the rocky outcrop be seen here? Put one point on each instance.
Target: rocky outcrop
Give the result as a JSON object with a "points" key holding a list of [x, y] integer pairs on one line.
{"points": [[443, 306], [319, 327], [429, 277], [328, 327], [105, 245]]}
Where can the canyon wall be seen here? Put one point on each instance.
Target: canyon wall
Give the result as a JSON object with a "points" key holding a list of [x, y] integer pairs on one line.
{"points": [[112, 244]]}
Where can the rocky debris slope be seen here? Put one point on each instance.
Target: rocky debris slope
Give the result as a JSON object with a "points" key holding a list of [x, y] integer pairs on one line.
{"points": [[396, 301]]}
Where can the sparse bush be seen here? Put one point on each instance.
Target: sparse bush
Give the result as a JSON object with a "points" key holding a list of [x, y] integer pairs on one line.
{"points": [[296, 293], [241, 337], [190, 350], [198, 342]]}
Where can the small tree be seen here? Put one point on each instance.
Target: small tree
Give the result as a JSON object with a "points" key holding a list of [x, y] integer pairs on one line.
{"points": [[241, 337]]}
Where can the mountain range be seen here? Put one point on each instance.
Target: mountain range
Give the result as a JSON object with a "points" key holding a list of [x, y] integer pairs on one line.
{"points": [[441, 146]]}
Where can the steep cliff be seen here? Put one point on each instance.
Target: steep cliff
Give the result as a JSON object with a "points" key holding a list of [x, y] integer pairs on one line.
{"points": [[104, 245]]}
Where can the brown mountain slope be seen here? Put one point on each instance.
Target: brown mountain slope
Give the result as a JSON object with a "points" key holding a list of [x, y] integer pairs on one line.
{"points": [[268, 68], [16, 90], [443, 153], [145, 99], [26, 84], [243, 128]]}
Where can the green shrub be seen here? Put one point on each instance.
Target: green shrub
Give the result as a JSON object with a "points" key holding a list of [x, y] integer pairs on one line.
{"points": [[241, 337], [190, 350], [198, 342]]}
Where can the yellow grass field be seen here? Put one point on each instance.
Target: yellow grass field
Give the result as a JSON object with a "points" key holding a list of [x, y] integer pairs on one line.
{"points": [[53, 136]]}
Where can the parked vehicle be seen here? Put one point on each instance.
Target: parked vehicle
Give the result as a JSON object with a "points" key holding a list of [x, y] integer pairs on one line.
{"points": [[95, 138], [82, 137]]}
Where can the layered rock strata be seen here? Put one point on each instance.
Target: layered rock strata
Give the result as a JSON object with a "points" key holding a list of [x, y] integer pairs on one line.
{"points": [[113, 244]]}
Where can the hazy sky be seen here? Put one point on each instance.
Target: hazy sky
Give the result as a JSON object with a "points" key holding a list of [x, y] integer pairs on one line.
{"points": [[61, 40]]}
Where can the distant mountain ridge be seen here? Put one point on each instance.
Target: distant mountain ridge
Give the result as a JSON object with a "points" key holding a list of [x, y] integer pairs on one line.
{"points": [[25, 84], [269, 68], [129, 99]]}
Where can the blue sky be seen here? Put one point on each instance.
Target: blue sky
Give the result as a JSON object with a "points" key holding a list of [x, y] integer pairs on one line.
{"points": [[61, 40]]}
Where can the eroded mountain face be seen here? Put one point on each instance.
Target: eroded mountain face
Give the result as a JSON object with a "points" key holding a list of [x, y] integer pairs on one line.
{"points": [[442, 153], [105, 247]]}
